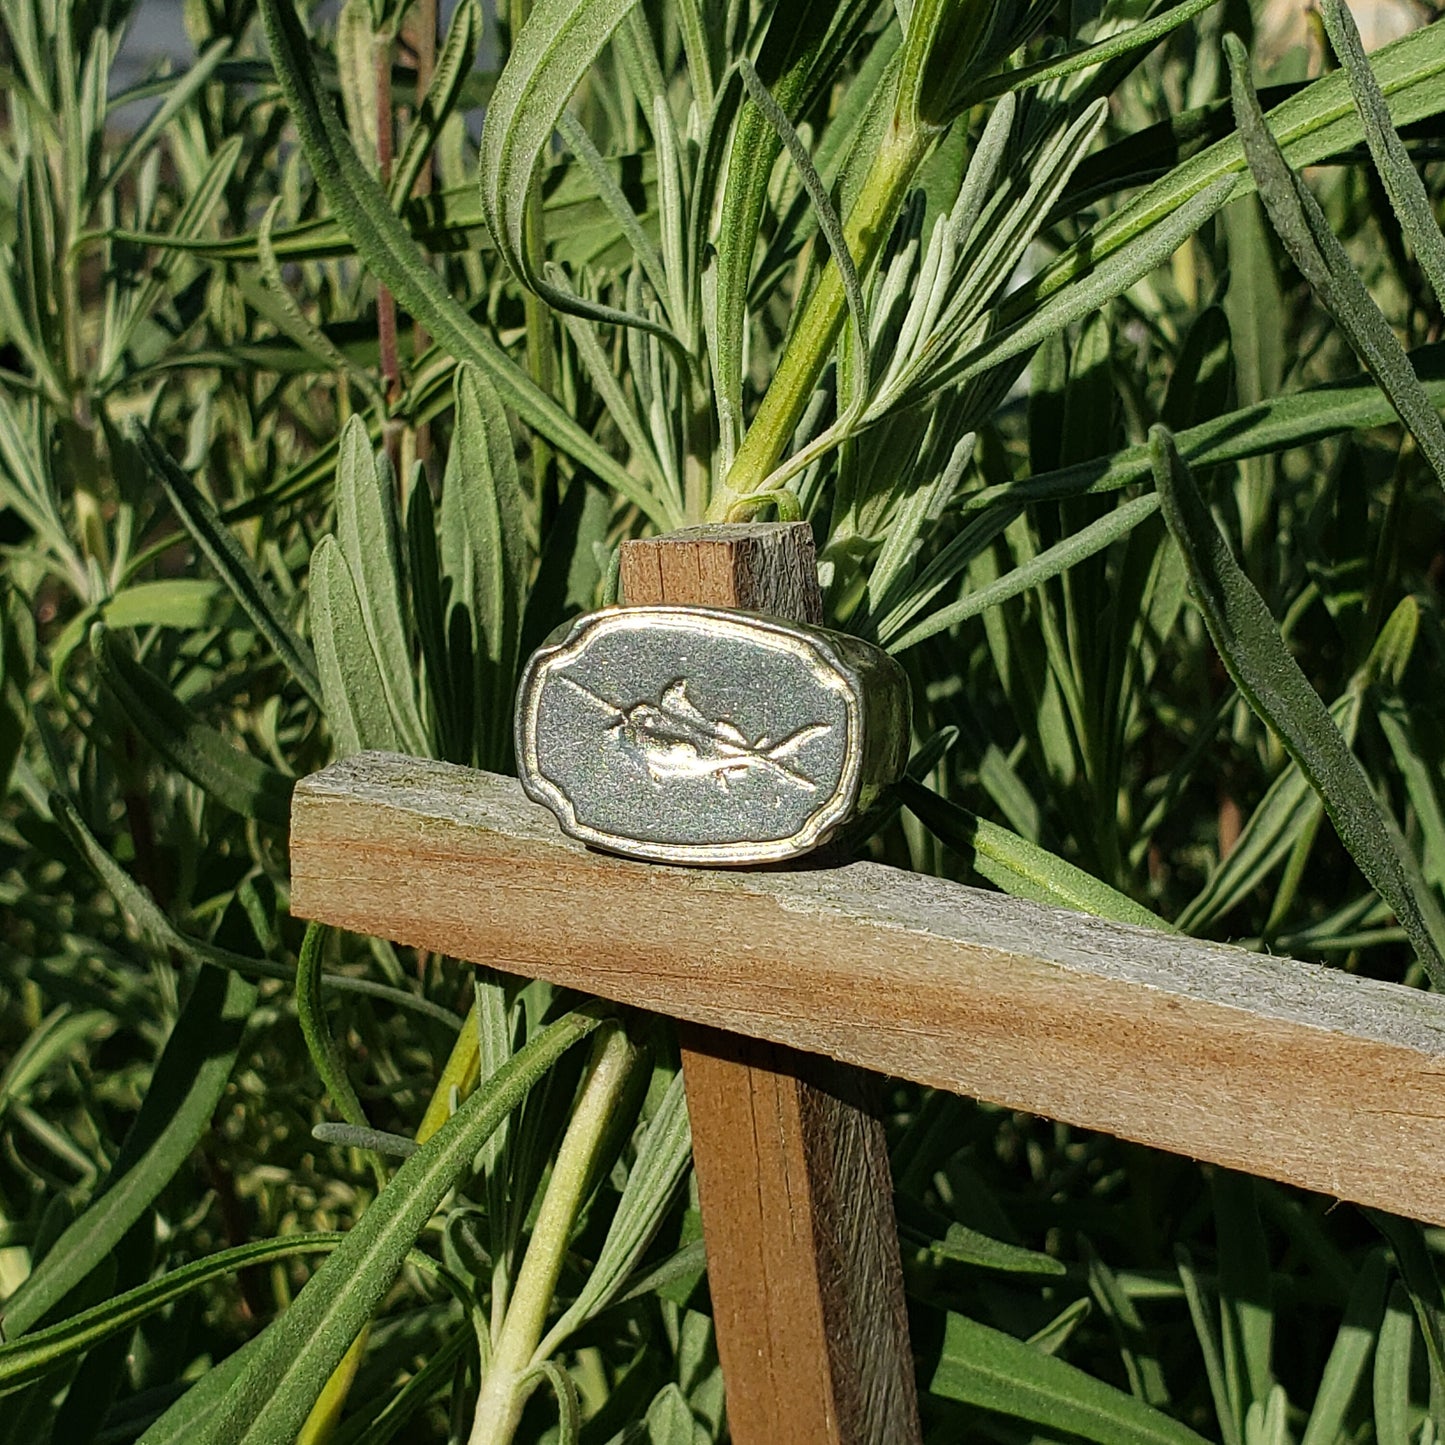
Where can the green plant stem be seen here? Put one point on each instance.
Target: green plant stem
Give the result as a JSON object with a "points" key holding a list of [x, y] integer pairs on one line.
{"points": [[511, 1373], [889, 176]]}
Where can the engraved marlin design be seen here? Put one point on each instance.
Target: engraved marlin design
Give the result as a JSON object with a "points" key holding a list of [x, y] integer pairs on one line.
{"points": [[676, 739]]}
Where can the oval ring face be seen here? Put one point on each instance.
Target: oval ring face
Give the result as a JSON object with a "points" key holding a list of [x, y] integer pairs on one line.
{"points": [[691, 735]]}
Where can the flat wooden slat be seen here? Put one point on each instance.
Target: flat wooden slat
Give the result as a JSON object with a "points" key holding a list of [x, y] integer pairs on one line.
{"points": [[1280, 1068], [791, 1158]]}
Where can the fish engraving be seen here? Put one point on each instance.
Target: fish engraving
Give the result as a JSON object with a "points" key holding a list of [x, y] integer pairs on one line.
{"points": [[675, 739]]}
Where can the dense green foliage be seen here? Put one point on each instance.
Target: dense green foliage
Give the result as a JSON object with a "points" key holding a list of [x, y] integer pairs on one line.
{"points": [[1112, 388]]}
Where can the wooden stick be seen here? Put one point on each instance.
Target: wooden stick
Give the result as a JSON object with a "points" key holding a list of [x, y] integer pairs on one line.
{"points": [[1302, 1074], [791, 1160]]}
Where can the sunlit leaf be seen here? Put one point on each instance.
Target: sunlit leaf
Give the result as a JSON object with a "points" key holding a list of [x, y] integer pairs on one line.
{"points": [[994, 1371], [1322, 260]]}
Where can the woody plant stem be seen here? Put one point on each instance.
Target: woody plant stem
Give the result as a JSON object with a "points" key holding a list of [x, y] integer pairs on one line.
{"points": [[907, 139], [512, 1371]]}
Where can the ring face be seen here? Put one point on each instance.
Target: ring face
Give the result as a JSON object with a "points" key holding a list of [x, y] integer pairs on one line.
{"points": [[695, 735]]}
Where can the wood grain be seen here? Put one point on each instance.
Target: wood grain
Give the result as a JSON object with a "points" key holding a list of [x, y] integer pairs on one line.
{"points": [[1279, 1068], [791, 1160], [762, 566]]}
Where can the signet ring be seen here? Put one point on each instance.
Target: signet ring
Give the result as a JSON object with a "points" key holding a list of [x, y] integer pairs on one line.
{"points": [[708, 736]]}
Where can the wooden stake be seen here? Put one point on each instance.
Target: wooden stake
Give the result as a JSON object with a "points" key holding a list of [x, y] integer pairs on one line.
{"points": [[1308, 1075], [792, 1165]]}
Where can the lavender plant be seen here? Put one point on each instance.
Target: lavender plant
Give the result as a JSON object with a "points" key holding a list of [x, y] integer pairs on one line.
{"points": [[333, 369]]}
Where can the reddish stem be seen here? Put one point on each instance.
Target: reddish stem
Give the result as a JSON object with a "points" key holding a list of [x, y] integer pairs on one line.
{"points": [[422, 37], [385, 301]]}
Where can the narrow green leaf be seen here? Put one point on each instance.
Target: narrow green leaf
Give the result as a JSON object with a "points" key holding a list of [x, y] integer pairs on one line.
{"points": [[184, 1090], [993, 1371], [1285, 814], [581, 227], [1267, 1421], [972, 1247], [1322, 261], [1205, 1330], [19, 313], [1125, 42], [568, 573], [1017, 866], [555, 48], [193, 219], [611, 389], [232, 777], [208, 1396], [652, 1182], [610, 193], [1421, 1278], [1136, 1347], [450, 731], [829, 222], [56, 1036], [483, 489], [27, 486], [569, 1404], [1088, 541], [354, 698], [1113, 274], [1279, 693], [674, 1279], [189, 604], [163, 936], [356, 60], [1317, 121], [1350, 1354], [1246, 1308], [300, 1351], [983, 242], [669, 1419], [388, 249], [1276, 425], [436, 1375], [326, 1056], [494, 1025], [453, 66], [913, 520], [17, 666], [1258, 328], [42, 1351], [1422, 784], [229, 558], [354, 1136], [1391, 1384], [180, 91], [273, 299], [1052, 1337], [368, 535], [1400, 178], [787, 53]]}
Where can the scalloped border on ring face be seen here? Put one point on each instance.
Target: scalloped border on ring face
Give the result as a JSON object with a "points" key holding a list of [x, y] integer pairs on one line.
{"points": [[707, 736]]}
